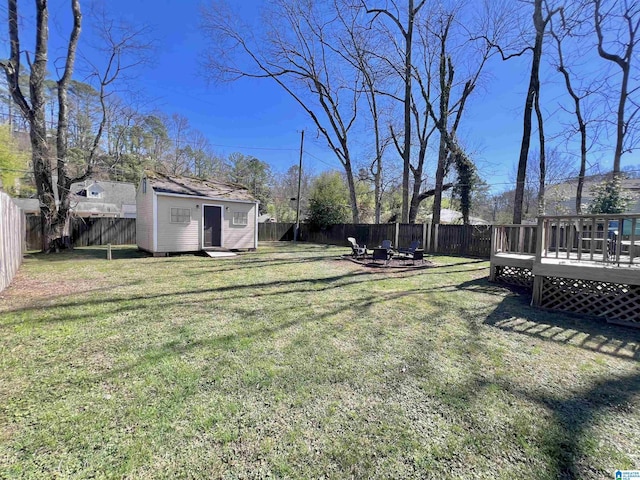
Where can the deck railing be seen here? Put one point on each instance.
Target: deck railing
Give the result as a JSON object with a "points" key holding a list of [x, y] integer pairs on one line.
{"points": [[516, 239], [595, 238]]}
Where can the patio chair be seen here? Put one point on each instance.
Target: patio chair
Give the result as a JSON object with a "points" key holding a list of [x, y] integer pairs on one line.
{"points": [[412, 252], [357, 251], [411, 248], [382, 254], [386, 244]]}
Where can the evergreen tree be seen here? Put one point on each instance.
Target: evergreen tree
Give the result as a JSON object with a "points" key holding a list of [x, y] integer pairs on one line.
{"points": [[610, 197], [329, 200]]}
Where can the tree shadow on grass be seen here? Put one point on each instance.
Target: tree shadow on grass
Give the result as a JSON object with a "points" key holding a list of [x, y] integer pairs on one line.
{"points": [[575, 414], [565, 443], [275, 288]]}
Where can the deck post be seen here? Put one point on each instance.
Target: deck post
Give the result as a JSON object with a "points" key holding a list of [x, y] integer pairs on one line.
{"points": [[521, 239], [536, 298], [632, 241], [492, 268], [494, 231], [540, 239]]}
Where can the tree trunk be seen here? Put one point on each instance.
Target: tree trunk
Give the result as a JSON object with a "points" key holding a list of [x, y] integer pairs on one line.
{"points": [[543, 158], [446, 80], [440, 172], [407, 114], [624, 62], [54, 209], [355, 215], [582, 127], [377, 185], [533, 90]]}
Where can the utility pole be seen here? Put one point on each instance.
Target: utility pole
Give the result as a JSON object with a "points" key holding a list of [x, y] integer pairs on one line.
{"points": [[296, 232]]}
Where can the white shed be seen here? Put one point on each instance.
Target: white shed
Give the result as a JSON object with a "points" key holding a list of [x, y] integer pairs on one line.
{"points": [[185, 214]]}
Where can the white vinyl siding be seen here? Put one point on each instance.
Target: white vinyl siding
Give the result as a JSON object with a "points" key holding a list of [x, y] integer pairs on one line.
{"points": [[187, 237], [174, 236], [240, 236]]}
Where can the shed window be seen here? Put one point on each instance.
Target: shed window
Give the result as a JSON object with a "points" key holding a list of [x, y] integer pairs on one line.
{"points": [[240, 218], [180, 215]]}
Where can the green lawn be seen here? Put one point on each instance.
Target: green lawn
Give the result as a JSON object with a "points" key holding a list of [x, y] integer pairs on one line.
{"points": [[290, 362]]}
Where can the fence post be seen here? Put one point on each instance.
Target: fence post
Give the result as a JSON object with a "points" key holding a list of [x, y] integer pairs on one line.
{"points": [[397, 235], [108, 251], [435, 240], [428, 244], [424, 237]]}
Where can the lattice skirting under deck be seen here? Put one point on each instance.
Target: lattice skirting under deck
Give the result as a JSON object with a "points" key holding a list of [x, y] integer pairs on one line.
{"points": [[616, 302], [516, 276]]}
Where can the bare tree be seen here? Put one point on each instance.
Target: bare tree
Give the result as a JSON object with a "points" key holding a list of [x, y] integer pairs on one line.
{"points": [[460, 55], [298, 53], [50, 187], [540, 21], [560, 35], [361, 49], [406, 28], [620, 19], [54, 217]]}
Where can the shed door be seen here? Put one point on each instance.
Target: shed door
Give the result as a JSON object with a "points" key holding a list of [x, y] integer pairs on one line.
{"points": [[212, 226]]}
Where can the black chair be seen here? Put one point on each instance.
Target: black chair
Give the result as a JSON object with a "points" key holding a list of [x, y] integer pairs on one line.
{"points": [[382, 254], [411, 248]]}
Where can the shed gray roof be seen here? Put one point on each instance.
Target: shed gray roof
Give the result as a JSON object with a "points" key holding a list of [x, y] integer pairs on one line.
{"points": [[190, 186]]}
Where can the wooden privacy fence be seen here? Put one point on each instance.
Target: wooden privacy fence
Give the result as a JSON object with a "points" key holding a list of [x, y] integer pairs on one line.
{"points": [[12, 224], [473, 240], [275, 232], [86, 232]]}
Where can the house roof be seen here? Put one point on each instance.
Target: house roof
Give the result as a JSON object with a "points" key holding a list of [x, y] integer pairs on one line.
{"points": [[563, 195], [96, 208], [117, 193], [189, 186], [453, 216], [28, 205]]}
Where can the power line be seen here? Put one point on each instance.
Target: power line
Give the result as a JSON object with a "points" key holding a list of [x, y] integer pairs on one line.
{"points": [[319, 159]]}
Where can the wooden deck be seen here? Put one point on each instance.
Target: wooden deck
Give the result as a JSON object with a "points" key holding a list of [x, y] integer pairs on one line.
{"points": [[585, 264]]}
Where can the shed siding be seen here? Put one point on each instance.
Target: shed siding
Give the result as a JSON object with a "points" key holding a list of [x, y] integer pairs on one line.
{"points": [[236, 236], [178, 237], [144, 220]]}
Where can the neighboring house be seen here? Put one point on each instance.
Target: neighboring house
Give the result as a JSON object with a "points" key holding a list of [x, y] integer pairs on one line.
{"points": [[93, 198], [184, 214], [29, 206], [266, 218], [448, 216], [561, 198]]}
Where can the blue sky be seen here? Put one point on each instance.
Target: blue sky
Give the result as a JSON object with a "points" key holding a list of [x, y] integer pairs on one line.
{"points": [[256, 117]]}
